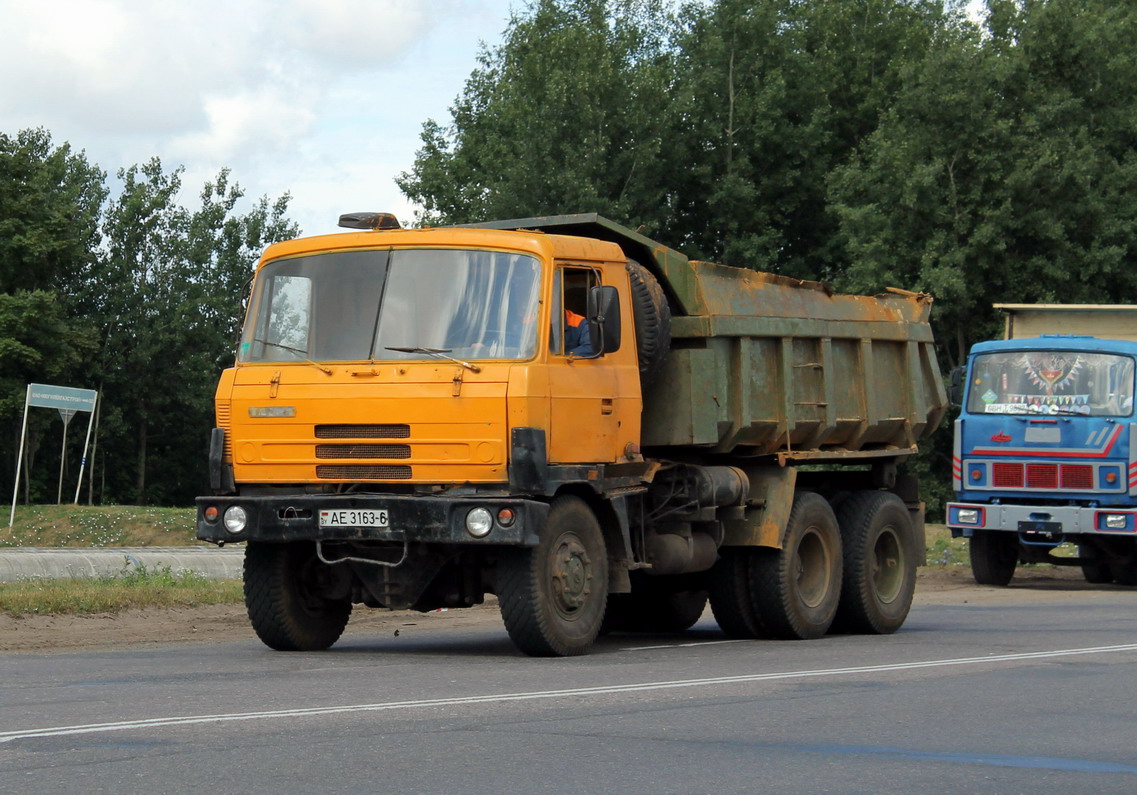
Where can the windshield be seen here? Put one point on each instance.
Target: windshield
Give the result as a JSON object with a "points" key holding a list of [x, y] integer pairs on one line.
{"points": [[1052, 382], [358, 305]]}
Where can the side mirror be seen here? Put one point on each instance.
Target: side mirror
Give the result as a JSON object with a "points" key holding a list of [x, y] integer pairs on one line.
{"points": [[604, 319], [955, 389]]}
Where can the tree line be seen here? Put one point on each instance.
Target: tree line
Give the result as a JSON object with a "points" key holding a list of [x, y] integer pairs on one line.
{"points": [[982, 158], [133, 295]]}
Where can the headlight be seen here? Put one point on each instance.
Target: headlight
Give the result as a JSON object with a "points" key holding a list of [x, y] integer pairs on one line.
{"points": [[967, 516], [1115, 521], [236, 519], [479, 522]]}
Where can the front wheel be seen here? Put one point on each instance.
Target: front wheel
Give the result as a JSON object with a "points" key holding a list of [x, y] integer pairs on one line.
{"points": [[1094, 573], [289, 594], [553, 595], [994, 556], [796, 588]]}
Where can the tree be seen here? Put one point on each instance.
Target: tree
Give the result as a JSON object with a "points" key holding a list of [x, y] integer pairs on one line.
{"points": [[564, 116], [38, 343], [770, 97], [1006, 170], [50, 201], [167, 299]]}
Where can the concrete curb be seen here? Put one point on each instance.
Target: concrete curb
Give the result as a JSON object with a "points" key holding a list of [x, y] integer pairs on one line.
{"points": [[28, 563]]}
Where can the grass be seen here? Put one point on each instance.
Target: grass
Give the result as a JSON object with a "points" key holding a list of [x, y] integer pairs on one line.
{"points": [[133, 587], [108, 526], [943, 550], [100, 526]]}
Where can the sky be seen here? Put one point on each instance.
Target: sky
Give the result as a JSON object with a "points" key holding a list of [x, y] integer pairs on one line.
{"points": [[323, 99]]}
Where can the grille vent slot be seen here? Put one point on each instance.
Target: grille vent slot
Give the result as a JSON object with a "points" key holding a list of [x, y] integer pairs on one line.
{"points": [[390, 431], [362, 472], [363, 451]]}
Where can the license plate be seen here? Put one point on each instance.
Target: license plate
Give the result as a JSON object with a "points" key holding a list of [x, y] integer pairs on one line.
{"points": [[1040, 527], [352, 517]]}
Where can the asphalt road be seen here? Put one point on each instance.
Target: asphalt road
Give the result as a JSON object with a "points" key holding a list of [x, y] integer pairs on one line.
{"points": [[1011, 691]]}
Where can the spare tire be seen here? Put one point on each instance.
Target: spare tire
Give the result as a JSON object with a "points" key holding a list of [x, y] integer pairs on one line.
{"points": [[652, 319]]}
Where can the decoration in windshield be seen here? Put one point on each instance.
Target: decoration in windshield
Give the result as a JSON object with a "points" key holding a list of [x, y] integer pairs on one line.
{"points": [[1052, 382]]}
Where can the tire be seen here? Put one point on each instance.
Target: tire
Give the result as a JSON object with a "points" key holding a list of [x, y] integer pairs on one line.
{"points": [[553, 596], [654, 610], [1095, 573], [284, 584], [797, 588], [729, 592], [652, 318], [879, 572], [994, 555], [1123, 574]]}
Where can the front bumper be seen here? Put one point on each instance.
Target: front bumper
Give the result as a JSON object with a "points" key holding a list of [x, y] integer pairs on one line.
{"points": [[1054, 519], [412, 519]]}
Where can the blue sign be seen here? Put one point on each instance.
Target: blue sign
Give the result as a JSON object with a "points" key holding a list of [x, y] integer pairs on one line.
{"points": [[61, 397]]}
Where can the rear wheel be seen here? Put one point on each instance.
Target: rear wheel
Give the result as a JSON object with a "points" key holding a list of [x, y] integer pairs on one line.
{"points": [[994, 556], [879, 576], [729, 591], [796, 589], [292, 597], [553, 595]]}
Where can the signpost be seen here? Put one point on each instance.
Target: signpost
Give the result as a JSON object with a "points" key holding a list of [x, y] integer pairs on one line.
{"points": [[68, 401]]}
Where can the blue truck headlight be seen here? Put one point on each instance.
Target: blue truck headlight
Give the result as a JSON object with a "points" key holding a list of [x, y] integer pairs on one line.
{"points": [[1116, 521], [967, 515]]}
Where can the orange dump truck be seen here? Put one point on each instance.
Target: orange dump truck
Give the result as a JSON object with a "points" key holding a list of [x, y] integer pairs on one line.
{"points": [[573, 417]]}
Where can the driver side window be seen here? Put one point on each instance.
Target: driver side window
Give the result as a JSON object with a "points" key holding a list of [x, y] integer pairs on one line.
{"points": [[571, 330]]}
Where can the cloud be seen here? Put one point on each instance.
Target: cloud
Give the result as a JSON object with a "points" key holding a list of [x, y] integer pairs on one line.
{"points": [[323, 98], [167, 67]]}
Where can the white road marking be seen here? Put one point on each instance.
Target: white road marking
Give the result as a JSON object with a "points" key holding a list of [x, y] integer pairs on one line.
{"points": [[684, 645], [188, 720]]}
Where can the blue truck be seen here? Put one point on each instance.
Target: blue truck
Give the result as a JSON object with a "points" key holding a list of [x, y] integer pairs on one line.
{"points": [[1045, 449]]}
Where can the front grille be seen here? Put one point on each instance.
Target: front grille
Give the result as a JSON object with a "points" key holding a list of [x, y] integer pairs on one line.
{"points": [[1007, 476], [363, 451], [1080, 476], [1042, 476], [391, 431], [362, 472]]}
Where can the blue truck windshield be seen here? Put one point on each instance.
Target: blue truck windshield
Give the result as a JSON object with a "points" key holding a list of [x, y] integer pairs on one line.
{"points": [[1051, 382], [359, 305]]}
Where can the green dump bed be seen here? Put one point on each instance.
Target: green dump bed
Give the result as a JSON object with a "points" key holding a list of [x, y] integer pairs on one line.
{"points": [[762, 365]]}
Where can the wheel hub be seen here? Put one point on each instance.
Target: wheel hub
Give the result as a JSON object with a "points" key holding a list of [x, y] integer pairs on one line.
{"points": [[571, 573]]}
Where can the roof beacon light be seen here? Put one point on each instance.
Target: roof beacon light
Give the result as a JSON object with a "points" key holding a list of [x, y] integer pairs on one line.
{"points": [[369, 221]]}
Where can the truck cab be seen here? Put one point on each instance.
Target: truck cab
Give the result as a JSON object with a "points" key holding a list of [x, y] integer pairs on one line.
{"points": [[1044, 454]]}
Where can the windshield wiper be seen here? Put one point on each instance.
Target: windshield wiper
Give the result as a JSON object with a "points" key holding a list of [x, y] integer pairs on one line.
{"points": [[439, 353], [303, 354]]}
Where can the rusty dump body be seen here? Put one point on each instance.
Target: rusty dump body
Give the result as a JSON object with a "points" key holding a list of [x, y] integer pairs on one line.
{"points": [[763, 365]]}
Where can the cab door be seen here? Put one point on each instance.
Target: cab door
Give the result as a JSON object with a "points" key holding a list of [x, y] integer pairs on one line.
{"points": [[584, 387]]}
